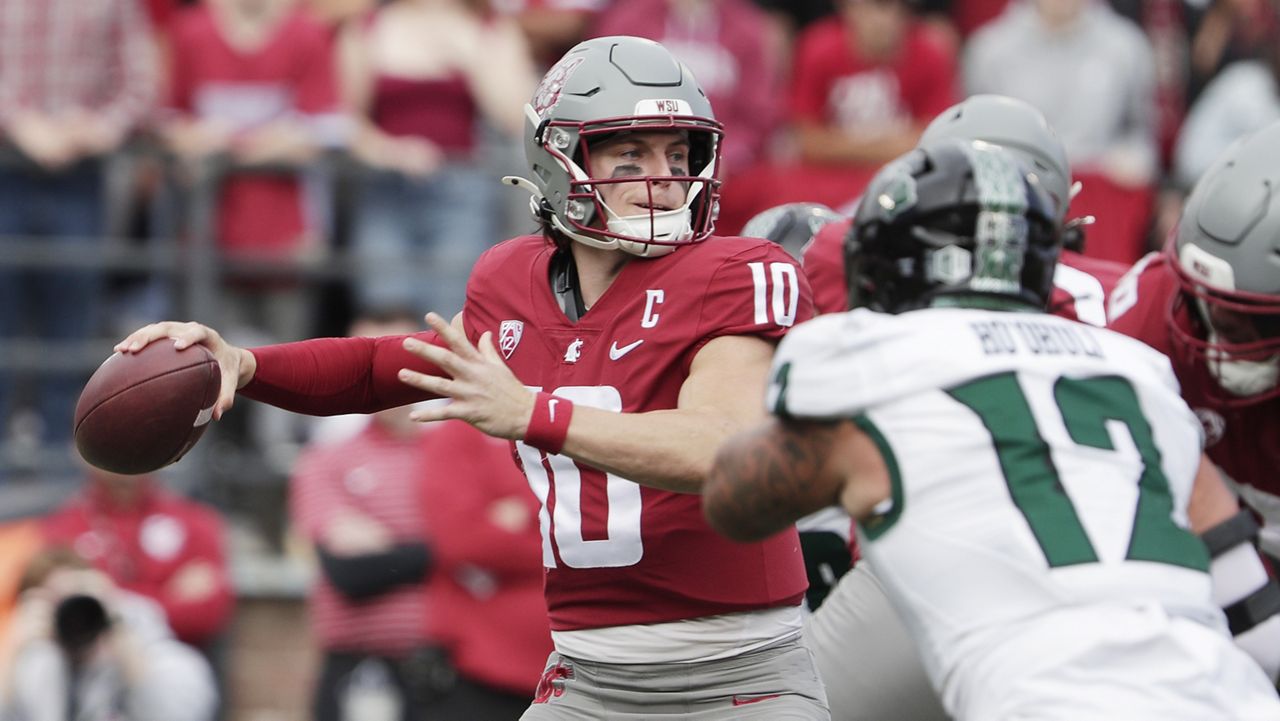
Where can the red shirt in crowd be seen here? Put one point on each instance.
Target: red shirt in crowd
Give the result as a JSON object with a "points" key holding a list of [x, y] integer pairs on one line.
{"points": [[375, 474], [486, 593], [57, 56], [291, 75], [834, 84], [145, 546]]}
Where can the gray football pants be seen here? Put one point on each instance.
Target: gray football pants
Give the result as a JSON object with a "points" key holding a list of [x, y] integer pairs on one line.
{"points": [[867, 661], [774, 683]]}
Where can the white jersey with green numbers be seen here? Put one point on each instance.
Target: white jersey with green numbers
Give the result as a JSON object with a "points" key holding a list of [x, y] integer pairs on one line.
{"points": [[1038, 465]]}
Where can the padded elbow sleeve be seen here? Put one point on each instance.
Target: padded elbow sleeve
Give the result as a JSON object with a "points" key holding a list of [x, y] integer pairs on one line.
{"points": [[1248, 596]]}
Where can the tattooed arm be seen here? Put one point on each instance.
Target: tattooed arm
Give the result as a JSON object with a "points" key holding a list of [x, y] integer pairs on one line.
{"points": [[766, 478]]}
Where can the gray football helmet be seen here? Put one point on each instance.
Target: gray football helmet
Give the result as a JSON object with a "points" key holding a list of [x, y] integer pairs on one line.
{"points": [[1014, 125], [1226, 251], [601, 87], [790, 225]]}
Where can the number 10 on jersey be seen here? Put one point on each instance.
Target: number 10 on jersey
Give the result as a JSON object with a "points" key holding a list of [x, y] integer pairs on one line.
{"points": [[589, 518]]}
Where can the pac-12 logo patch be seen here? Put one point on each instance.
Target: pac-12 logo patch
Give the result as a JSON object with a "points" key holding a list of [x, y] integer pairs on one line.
{"points": [[509, 334]]}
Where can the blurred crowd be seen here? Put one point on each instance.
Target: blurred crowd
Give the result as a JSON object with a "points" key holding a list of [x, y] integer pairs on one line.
{"points": [[287, 168], [296, 161]]}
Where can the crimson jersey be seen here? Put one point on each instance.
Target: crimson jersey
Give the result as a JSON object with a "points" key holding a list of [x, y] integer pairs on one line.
{"points": [[823, 261], [1080, 284], [1243, 441], [618, 553]]}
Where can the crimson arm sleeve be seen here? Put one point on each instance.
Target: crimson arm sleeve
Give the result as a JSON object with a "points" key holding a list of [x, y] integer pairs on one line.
{"points": [[332, 376]]}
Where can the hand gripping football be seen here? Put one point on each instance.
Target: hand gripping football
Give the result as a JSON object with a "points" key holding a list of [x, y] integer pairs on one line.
{"points": [[142, 411]]}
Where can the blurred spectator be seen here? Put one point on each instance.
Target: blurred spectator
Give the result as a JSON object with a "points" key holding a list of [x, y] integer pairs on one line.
{"points": [[421, 75], [336, 14], [550, 26], [864, 84], [1230, 30], [867, 83], [253, 83], [155, 543], [160, 12], [1090, 71], [1242, 98], [796, 15], [358, 501], [1168, 25], [76, 77], [1087, 69], [728, 47], [487, 605], [20, 540], [80, 648]]}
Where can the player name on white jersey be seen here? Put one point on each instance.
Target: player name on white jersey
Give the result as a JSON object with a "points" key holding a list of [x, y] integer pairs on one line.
{"points": [[1017, 335]]}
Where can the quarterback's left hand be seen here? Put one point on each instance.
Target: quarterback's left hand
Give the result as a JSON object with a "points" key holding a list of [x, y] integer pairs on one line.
{"points": [[482, 390]]}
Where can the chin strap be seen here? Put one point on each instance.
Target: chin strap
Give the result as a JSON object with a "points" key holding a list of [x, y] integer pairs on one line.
{"points": [[1248, 596]]}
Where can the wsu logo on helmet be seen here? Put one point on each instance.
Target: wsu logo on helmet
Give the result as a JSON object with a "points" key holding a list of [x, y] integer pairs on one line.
{"points": [[509, 334], [548, 92]]}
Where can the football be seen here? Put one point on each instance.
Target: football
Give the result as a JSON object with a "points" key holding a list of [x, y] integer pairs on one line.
{"points": [[142, 411]]}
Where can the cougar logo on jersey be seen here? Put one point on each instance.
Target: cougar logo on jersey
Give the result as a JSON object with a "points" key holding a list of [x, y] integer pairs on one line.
{"points": [[509, 334], [574, 351], [1215, 426]]}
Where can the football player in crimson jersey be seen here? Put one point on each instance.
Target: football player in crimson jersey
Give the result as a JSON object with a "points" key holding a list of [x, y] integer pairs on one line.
{"points": [[1211, 302], [616, 349]]}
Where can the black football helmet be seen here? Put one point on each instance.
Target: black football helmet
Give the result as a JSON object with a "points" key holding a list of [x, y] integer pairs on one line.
{"points": [[953, 222]]}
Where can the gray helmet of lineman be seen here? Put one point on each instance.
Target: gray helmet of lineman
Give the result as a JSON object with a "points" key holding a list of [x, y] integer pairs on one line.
{"points": [[1226, 251], [790, 225], [602, 87], [1014, 125]]}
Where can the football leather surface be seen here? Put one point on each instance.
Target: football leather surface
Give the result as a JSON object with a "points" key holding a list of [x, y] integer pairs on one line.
{"points": [[142, 411]]}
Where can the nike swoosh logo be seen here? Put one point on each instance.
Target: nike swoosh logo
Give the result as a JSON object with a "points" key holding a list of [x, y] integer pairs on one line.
{"points": [[744, 700], [551, 409], [615, 352]]}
